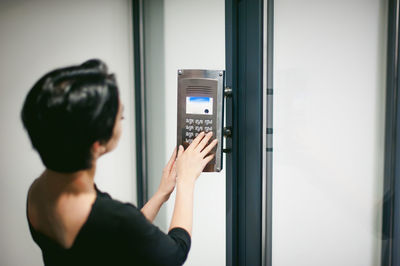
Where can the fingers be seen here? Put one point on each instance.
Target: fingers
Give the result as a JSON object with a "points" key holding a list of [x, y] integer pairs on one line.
{"points": [[173, 170], [196, 141], [209, 147], [207, 160], [171, 160], [180, 151], [204, 141]]}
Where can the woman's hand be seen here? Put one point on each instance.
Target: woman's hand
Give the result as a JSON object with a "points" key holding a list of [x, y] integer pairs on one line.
{"points": [[191, 162], [168, 179], [189, 165]]}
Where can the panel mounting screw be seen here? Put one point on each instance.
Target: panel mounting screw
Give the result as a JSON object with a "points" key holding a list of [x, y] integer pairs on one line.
{"points": [[220, 74], [179, 72]]}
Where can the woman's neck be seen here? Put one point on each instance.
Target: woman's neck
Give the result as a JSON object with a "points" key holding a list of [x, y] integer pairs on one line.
{"points": [[75, 183]]}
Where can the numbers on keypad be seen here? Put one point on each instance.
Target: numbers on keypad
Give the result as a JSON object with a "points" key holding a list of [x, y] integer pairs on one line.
{"points": [[193, 127], [207, 129], [198, 121], [189, 134], [208, 122], [189, 127], [188, 140]]}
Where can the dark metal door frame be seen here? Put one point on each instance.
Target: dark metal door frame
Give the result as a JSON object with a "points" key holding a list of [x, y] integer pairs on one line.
{"points": [[391, 202], [244, 113]]}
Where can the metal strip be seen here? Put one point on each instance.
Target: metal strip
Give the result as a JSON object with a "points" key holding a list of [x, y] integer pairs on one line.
{"points": [[141, 157], [268, 129], [244, 74], [269, 124], [231, 143], [250, 130], [391, 202]]}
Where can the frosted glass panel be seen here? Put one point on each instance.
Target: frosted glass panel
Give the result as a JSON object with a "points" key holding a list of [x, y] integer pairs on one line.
{"points": [[329, 103]]}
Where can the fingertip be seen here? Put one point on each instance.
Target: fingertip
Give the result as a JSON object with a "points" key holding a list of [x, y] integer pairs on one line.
{"points": [[180, 152]]}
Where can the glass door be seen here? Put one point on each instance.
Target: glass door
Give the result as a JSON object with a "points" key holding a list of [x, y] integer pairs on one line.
{"points": [[329, 128]]}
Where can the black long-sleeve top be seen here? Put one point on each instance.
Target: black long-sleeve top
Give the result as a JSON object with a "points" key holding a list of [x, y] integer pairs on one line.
{"points": [[116, 233]]}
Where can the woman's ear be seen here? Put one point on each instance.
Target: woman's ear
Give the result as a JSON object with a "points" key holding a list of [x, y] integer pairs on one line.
{"points": [[98, 149]]}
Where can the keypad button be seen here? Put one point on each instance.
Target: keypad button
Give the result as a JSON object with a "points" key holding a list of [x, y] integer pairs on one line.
{"points": [[207, 129], [208, 122], [198, 128], [189, 127], [189, 121], [198, 121], [189, 134]]}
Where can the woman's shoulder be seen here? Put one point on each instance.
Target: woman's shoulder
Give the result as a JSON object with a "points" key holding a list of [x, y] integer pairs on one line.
{"points": [[59, 217], [123, 215], [108, 208], [31, 199]]}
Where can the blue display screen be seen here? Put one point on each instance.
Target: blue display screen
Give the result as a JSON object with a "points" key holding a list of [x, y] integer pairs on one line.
{"points": [[199, 105], [199, 99]]}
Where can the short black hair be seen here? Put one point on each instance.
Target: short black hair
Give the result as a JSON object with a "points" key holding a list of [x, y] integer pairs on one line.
{"points": [[69, 109]]}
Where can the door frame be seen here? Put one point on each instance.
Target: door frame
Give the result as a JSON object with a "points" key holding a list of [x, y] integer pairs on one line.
{"points": [[391, 191], [140, 107], [244, 25]]}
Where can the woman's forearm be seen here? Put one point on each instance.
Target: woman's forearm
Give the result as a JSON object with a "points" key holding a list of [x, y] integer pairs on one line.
{"points": [[152, 207], [183, 210]]}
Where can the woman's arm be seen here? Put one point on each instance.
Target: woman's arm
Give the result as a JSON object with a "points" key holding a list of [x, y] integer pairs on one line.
{"points": [[167, 185], [189, 165], [152, 207]]}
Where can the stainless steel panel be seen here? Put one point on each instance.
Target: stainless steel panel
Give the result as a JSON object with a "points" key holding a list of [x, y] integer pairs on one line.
{"points": [[202, 83]]}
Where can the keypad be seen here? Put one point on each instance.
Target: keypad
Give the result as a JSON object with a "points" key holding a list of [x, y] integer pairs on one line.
{"points": [[193, 127]]}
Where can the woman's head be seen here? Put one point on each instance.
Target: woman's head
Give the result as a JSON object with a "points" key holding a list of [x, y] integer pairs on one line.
{"points": [[68, 110]]}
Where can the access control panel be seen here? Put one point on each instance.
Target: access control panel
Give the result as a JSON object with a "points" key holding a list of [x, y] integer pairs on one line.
{"points": [[200, 108]]}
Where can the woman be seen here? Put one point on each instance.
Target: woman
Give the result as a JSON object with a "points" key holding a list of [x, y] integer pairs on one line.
{"points": [[73, 116]]}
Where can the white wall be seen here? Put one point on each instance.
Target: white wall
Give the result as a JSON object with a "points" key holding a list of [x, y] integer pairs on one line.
{"points": [[184, 34], [329, 111], [35, 37]]}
